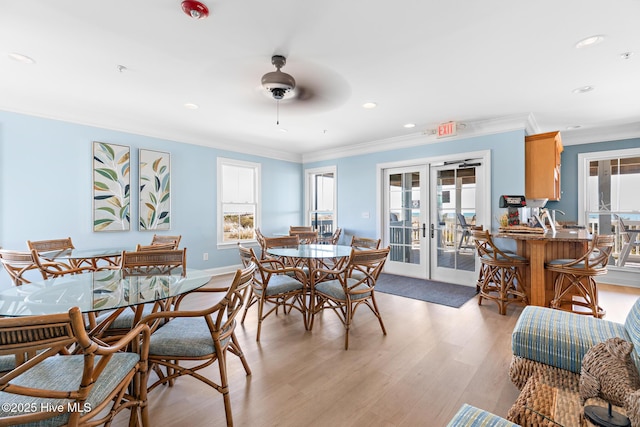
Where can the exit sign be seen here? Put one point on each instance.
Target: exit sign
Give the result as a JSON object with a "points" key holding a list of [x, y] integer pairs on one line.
{"points": [[446, 129]]}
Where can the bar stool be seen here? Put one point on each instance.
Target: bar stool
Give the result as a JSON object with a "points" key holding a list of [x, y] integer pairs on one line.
{"points": [[576, 278], [500, 273]]}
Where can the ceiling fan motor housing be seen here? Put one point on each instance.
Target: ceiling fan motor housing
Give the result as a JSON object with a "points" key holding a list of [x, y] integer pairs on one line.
{"points": [[277, 82]]}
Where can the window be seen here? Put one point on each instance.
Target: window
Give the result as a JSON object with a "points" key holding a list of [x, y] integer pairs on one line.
{"points": [[609, 183], [321, 199], [238, 200]]}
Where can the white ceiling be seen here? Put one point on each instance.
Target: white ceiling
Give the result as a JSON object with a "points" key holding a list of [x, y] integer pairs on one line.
{"points": [[422, 61]]}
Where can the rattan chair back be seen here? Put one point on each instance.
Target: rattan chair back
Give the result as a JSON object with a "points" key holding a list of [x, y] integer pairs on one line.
{"points": [[50, 245], [156, 247], [365, 243], [164, 240], [297, 228], [154, 262], [18, 264], [305, 237]]}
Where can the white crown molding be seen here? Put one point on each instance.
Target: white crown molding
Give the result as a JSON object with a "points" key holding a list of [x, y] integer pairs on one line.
{"points": [[470, 129], [230, 145], [601, 134]]}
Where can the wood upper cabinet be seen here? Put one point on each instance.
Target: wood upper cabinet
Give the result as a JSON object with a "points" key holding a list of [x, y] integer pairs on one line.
{"points": [[542, 166]]}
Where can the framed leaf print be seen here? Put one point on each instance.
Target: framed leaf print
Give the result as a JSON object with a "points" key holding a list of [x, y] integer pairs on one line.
{"points": [[155, 190], [111, 187]]}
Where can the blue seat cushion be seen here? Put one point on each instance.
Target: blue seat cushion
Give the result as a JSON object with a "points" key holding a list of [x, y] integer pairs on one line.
{"points": [[560, 338], [7, 362], [334, 289], [281, 284], [65, 373], [560, 262], [470, 416], [183, 337], [124, 319]]}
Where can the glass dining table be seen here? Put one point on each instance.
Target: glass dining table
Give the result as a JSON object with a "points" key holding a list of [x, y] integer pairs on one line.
{"points": [[108, 257], [98, 291], [311, 255]]}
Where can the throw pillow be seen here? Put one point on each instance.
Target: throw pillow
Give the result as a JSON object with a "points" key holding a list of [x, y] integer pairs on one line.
{"points": [[608, 372]]}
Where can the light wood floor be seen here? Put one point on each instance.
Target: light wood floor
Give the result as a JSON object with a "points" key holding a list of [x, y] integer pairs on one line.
{"points": [[433, 359]]}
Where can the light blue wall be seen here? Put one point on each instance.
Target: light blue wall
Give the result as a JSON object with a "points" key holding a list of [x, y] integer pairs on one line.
{"points": [[46, 180], [568, 203], [357, 174]]}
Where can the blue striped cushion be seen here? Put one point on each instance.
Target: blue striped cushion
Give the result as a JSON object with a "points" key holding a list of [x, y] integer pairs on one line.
{"points": [[473, 417], [560, 338], [632, 326], [65, 373]]}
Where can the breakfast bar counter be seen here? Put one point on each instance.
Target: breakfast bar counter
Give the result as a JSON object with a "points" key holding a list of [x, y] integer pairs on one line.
{"points": [[539, 248]]}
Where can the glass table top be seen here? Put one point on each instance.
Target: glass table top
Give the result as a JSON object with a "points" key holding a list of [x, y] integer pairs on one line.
{"points": [[312, 251], [96, 291]]}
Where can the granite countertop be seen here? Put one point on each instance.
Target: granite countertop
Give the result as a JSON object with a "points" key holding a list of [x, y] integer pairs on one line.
{"points": [[562, 234]]}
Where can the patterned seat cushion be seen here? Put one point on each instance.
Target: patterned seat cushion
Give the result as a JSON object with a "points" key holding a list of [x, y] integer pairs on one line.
{"points": [[65, 373], [559, 338], [335, 290], [470, 416]]}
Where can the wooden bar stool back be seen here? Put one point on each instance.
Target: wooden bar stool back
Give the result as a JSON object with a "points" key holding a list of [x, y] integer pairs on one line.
{"points": [[575, 287], [500, 277]]}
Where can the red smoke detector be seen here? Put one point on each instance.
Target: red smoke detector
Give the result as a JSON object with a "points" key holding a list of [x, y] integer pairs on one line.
{"points": [[195, 9]]}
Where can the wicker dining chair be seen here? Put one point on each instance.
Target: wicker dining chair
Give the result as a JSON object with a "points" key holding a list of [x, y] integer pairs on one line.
{"points": [[297, 228], [18, 265], [305, 237], [50, 245], [575, 284], [280, 242], [274, 285], [64, 377], [165, 261], [365, 243], [333, 238], [53, 245], [501, 273], [199, 337], [156, 247], [343, 293], [163, 240]]}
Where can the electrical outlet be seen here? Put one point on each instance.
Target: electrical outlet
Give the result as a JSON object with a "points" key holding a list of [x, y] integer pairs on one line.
{"points": [[205, 256]]}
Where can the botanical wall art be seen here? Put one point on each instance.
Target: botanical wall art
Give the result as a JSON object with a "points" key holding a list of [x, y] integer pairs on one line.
{"points": [[111, 187], [155, 190]]}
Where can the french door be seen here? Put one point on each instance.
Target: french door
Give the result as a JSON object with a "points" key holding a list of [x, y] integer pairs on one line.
{"points": [[428, 211], [405, 220], [454, 207]]}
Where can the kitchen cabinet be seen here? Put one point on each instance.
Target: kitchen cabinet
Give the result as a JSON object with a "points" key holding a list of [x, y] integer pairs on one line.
{"points": [[542, 166]]}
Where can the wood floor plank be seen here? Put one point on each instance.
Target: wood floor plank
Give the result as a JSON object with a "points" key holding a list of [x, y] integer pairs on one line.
{"points": [[434, 359]]}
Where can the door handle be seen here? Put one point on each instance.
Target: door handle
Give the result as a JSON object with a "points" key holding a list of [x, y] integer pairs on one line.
{"points": [[432, 228]]}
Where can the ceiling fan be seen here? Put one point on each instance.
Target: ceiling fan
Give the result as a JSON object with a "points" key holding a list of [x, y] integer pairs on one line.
{"points": [[316, 88]]}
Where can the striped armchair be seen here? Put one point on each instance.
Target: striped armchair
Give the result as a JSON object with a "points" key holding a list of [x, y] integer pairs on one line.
{"points": [[544, 337]]}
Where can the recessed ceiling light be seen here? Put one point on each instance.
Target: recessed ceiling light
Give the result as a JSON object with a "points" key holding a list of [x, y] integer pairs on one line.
{"points": [[21, 58], [583, 89], [589, 41], [626, 55], [410, 125], [191, 106], [369, 105], [574, 127]]}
